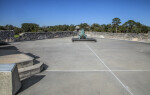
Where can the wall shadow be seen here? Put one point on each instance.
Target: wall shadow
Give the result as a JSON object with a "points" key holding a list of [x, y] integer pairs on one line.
{"points": [[35, 61], [8, 47], [3, 43], [8, 50], [32, 55], [44, 67], [28, 82]]}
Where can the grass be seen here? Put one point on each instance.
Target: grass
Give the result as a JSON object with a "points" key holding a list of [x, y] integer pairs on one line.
{"points": [[16, 36]]}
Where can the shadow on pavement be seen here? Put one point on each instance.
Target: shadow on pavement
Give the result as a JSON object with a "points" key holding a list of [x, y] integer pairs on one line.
{"points": [[8, 47], [3, 43], [26, 83], [44, 67], [8, 50], [35, 61], [32, 55]]}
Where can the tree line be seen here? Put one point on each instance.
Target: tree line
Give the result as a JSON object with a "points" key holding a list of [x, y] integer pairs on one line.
{"points": [[128, 27]]}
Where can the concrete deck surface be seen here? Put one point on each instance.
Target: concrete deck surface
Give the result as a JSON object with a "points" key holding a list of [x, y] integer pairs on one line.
{"points": [[14, 58], [105, 67]]}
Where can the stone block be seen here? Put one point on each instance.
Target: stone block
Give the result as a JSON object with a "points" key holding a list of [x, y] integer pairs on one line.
{"points": [[9, 79]]}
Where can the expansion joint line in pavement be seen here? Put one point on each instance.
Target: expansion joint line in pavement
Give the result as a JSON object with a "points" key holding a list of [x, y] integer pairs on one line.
{"points": [[98, 70], [109, 70]]}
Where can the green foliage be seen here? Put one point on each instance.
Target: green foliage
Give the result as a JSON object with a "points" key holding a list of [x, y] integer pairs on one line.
{"points": [[18, 30], [43, 29], [134, 27], [9, 27], [61, 28], [16, 36], [85, 26], [30, 27], [128, 27], [116, 22], [2, 28], [71, 27], [109, 28], [95, 27], [144, 29], [130, 24]]}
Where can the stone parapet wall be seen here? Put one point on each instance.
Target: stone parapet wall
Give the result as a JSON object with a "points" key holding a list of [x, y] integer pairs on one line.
{"points": [[27, 36], [121, 36], [6, 36]]}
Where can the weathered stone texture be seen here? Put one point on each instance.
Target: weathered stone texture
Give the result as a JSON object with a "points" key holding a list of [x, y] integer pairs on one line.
{"points": [[122, 36], [6, 35], [9, 79], [27, 36]]}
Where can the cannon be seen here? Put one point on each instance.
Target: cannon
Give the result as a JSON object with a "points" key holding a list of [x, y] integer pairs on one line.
{"points": [[82, 37]]}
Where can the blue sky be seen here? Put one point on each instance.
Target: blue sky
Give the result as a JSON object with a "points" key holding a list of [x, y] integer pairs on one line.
{"points": [[54, 12]]}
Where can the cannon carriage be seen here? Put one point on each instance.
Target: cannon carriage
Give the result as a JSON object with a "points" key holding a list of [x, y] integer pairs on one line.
{"points": [[83, 37]]}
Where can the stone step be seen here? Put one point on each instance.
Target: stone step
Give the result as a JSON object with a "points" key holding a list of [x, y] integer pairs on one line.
{"points": [[22, 60], [30, 70], [25, 64]]}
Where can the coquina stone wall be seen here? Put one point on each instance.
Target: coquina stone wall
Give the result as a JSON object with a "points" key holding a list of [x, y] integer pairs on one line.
{"points": [[27, 36], [6, 36], [121, 36]]}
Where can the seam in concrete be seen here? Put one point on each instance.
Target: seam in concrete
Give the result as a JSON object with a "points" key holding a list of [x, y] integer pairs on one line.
{"points": [[110, 70], [130, 40], [124, 40], [98, 70]]}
